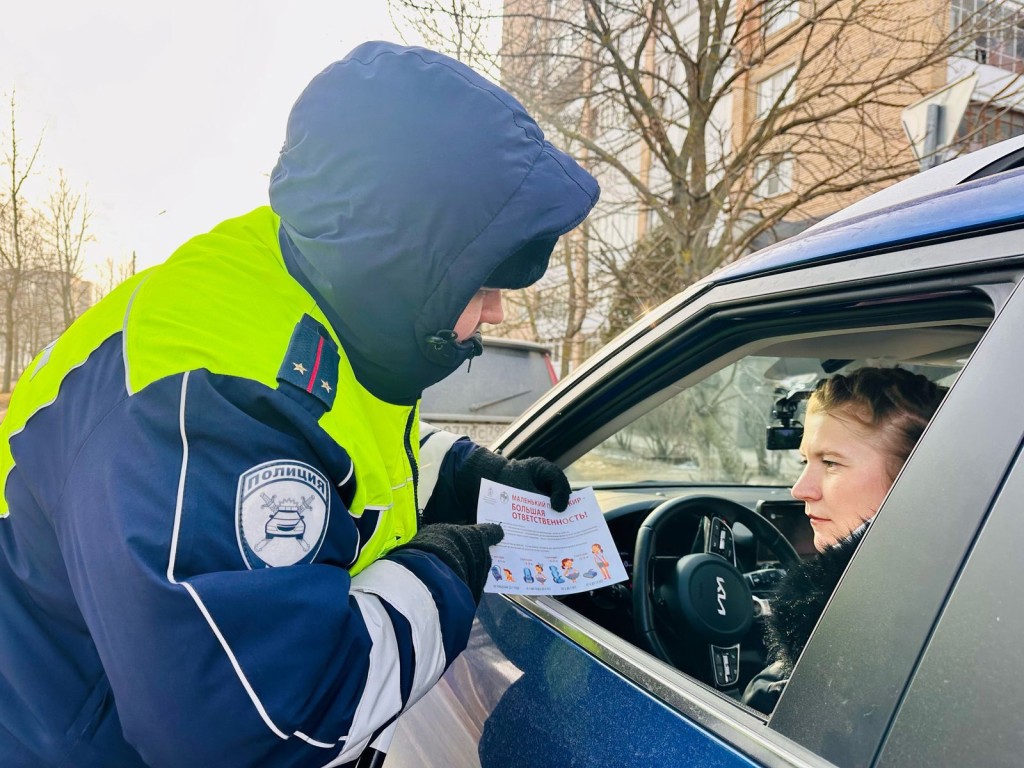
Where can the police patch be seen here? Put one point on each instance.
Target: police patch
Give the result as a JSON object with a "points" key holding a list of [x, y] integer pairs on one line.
{"points": [[282, 510]]}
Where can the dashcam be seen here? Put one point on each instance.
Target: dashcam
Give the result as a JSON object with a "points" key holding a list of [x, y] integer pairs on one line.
{"points": [[783, 438]]}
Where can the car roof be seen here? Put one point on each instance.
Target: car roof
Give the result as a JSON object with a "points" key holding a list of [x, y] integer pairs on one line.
{"points": [[502, 341], [898, 216], [1003, 156]]}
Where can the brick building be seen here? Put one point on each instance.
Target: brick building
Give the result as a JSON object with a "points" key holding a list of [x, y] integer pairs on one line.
{"points": [[981, 38], [718, 128]]}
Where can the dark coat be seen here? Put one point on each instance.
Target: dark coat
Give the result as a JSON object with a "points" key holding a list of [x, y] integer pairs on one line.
{"points": [[796, 608]]}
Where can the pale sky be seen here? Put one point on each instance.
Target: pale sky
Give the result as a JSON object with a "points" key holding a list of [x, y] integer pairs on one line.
{"points": [[168, 116]]}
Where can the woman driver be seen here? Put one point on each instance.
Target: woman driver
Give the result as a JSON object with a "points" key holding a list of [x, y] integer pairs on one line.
{"points": [[858, 431]]}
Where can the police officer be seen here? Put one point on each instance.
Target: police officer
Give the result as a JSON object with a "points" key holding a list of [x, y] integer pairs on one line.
{"points": [[209, 549]]}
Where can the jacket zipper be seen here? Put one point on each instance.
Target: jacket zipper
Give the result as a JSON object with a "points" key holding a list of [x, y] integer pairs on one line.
{"points": [[412, 461]]}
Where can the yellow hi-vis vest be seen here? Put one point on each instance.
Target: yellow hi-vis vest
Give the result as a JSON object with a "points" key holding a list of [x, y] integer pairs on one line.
{"points": [[225, 302]]}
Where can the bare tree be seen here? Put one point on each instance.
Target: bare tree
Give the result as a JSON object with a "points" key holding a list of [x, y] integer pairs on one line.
{"points": [[68, 216], [38, 315], [17, 238], [555, 310], [462, 28], [113, 273], [713, 125]]}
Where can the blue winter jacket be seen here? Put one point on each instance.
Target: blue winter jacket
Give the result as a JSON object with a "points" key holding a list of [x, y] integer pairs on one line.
{"points": [[193, 471]]}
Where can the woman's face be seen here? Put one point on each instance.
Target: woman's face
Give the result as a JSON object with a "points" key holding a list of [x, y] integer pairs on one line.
{"points": [[844, 479]]}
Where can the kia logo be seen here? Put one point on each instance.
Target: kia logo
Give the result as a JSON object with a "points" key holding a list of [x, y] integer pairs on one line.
{"points": [[721, 595]]}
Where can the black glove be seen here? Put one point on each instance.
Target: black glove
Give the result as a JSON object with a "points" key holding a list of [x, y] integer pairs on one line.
{"points": [[536, 474], [463, 548]]}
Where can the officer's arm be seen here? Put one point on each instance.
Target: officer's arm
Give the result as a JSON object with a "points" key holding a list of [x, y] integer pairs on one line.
{"points": [[442, 454], [185, 495]]}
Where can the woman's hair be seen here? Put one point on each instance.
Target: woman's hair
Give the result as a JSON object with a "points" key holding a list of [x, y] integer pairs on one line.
{"points": [[892, 403]]}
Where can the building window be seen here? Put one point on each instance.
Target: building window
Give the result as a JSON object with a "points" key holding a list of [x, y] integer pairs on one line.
{"points": [[996, 31], [773, 175], [775, 91], [778, 14], [983, 125]]}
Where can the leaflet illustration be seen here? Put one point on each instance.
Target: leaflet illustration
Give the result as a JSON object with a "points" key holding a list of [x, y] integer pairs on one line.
{"points": [[545, 552]]}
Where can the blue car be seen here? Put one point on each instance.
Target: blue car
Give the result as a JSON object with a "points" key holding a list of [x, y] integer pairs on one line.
{"points": [[684, 426]]}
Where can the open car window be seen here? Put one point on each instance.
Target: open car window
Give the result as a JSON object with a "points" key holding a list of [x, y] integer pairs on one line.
{"points": [[713, 431], [721, 428], [613, 426], [696, 430]]}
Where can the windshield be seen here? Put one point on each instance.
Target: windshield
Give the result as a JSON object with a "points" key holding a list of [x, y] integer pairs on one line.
{"points": [[710, 432]]}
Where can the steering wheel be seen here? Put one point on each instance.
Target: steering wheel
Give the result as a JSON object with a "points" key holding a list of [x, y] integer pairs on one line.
{"points": [[705, 595]]}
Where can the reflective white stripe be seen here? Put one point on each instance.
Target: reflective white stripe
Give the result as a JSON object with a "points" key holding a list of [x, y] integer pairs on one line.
{"points": [[426, 430], [44, 358], [188, 587], [181, 479], [124, 337], [314, 742], [434, 445], [351, 469], [382, 692], [410, 597], [383, 742], [234, 662]]}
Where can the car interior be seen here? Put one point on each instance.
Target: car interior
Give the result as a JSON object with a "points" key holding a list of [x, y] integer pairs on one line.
{"points": [[696, 456]]}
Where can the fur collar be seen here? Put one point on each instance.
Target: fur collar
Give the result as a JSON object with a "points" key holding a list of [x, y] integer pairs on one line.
{"points": [[801, 598]]}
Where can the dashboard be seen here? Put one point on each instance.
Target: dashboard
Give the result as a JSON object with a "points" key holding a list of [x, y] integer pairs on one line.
{"points": [[627, 507]]}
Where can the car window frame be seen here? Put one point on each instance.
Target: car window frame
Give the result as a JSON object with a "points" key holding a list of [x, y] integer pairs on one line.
{"points": [[886, 274], [946, 266], [926, 505], [925, 730]]}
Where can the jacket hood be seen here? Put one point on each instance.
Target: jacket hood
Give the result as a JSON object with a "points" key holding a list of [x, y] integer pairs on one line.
{"points": [[405, 181]]}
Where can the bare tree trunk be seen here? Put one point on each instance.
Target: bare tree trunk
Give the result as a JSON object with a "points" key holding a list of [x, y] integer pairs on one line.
{"points": [[68, 225], [14, 255], [115, 272], [578, 251]]}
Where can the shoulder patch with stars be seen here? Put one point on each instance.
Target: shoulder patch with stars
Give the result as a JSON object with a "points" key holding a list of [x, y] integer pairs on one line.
{"points": [[311, 362]]}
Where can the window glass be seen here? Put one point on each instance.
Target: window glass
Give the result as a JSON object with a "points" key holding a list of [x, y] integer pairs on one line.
{"points": [[984, 124], [713, 438], [997, 30], [770, 91], [779, 14], [773, 175], [502, 382], [712, 432]]}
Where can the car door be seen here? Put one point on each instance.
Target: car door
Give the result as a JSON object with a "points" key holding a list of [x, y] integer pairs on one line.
{"points": [[540, 683], [538, 687], [868, 645], [963, 704]]}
